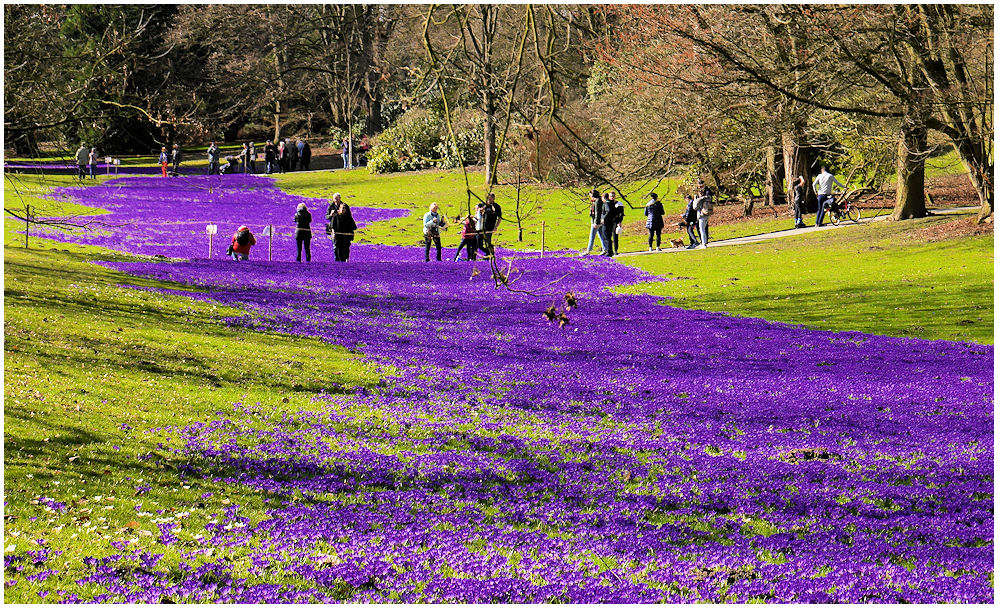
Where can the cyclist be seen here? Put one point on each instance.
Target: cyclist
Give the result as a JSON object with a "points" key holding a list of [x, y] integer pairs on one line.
{"points": [[823, 187]]}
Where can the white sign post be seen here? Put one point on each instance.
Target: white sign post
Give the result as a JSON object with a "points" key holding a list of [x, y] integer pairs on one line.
{"points": [[107, 163], [269, 232], [211, 230]]}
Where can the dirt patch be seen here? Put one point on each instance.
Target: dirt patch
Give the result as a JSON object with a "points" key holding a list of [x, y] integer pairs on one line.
{"points": [[957, 228]]}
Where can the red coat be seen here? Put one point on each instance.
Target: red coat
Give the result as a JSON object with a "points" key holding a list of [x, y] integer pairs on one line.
{"points": [[236, 247]]}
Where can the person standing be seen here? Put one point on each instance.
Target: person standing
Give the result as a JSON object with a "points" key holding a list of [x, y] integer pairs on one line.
{"points": [[251, 156], [303, 232], [800, 192], [331, 209], [242, 240], [469, 239], [654, 222], [92, 163], [343, 229], [690, 221], [346, 153], [823, 188], [176, 155], [302, 160], [244, 157], [82, 156], [704, 204], [292, 151], [594, 204], [270, 156], [164, 160], [282, 157], [605, 224], [213, 155], [618, 220], [433, 223], [491, 218]]}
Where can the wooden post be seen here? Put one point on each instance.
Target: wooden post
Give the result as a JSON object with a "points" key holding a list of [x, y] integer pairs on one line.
{"points": [[211, 237], [27, 224], [542, 239], [270, 244]]}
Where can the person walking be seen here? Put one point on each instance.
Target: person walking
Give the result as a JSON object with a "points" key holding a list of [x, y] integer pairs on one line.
{"points": [[213, 155], [343, 229], [433, 223], [618, 220], [469, 239], [823, 188], [800, 193], [491, 218], [251, 157], [704, 204], [346, 153], [242, 240], [303, 232], [594, 204], [82, 157], [164, 160], [176, 155], [654, 220], [690, 221]]}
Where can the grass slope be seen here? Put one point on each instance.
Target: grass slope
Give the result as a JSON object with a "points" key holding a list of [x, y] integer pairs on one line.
{"points": [[88, 361]]}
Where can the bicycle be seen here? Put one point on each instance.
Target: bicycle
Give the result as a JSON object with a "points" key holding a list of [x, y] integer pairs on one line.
{"points": [[836, 212]]}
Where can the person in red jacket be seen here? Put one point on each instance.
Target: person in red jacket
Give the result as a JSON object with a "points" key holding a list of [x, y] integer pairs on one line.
{"points": [[242, 240], [469, 239]]}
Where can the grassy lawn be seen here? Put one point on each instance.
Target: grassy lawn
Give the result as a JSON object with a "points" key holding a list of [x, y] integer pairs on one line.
{"points": [[872, 278], [86, 362]]}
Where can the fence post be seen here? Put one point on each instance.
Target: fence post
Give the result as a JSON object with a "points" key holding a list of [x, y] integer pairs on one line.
{"points": [[27, 224], [542, 239], [270, 243], [211, 238]]}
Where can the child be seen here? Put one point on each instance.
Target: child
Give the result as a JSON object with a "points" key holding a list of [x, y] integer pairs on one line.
{"points": [[469, 239]]}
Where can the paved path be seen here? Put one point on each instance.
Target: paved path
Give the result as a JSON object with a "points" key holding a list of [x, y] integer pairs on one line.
{"points": [[768, 236]]}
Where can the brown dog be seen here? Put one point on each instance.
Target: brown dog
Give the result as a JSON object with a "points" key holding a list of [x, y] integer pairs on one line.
{"points": [[677, 243]]}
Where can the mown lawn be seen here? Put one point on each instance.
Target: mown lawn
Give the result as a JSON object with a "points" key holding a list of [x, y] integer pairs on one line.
{"points": [[90, 367], [874, 278]]}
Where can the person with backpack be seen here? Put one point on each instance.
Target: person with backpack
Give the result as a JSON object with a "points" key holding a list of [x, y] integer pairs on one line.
{"points": [[690, 222], [654, 212], [433, 223], [343, 229], [303, 232], [242, 240], [594, 204], [704, 204], [469, 239]]}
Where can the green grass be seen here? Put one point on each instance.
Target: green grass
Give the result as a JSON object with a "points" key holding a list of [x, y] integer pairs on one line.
{"points": [[872, 278], [86, 361]]}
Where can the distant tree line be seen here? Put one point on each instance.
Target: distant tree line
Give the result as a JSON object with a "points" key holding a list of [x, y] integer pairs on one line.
{"points": [[747, 96]]}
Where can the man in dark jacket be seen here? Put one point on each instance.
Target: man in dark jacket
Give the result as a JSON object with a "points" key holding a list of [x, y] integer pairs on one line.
{"points": [[690, 221], [292, 150], [213, 155], [176, 156], [606, 220], [303, 232], [491, 218], [270, 156]]}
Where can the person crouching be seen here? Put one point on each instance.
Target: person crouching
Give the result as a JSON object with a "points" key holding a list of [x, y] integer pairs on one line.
{"points": [[242, 240]]}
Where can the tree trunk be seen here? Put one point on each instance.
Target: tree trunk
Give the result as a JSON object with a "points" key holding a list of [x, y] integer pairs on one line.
{"points": [[797, 162], [490, 138], [981, 173], [912, 144], [774, 177]]}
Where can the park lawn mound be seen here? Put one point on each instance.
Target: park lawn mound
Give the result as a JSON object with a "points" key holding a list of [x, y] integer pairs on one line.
{"points": [[92, 370]]}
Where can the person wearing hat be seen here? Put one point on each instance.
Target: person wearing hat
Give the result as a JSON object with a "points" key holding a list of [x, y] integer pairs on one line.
{"points": [[242, 240]]}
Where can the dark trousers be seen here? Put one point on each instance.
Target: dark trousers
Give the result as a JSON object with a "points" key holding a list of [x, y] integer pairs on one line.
{"points": [[434, 238], [341, 246], [691, 230], [655, 232], [213, 167], [471, 243], [304, 241], [304, 163], [176, 168], [607, 239], [616, 238], [81, 171], [821, 208], [485, 242], [798, 213]]}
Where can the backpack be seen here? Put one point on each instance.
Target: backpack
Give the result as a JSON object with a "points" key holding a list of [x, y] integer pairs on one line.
{"points": [[243, 237]]}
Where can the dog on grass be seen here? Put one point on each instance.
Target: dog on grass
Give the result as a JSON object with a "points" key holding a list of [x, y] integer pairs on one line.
{"points": [[677, 243]]}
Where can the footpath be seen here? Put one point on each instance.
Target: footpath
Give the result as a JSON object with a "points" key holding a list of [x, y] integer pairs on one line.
{"points": [[779, 234]]}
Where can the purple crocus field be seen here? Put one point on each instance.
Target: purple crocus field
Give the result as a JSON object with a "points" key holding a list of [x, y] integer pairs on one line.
{"points": [[642, 453]]}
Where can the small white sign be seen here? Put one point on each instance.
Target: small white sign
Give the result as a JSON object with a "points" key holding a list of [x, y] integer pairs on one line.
{"points": [[117, 161], [211, 229], [108, 159], [266, 231]]}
